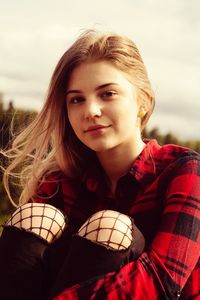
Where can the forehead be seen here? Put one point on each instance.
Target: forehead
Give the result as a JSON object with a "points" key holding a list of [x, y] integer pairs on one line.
{"points": [[98, 72]]}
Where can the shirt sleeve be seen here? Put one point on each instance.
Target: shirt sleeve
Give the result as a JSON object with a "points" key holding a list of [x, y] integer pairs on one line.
{"points": [[176, 247], [162, 271]]}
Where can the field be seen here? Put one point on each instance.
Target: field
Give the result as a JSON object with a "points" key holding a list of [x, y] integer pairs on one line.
{"points": [[3, 218]]}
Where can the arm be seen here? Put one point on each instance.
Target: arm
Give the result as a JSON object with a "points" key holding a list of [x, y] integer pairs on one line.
{"points": [[180, 227]]}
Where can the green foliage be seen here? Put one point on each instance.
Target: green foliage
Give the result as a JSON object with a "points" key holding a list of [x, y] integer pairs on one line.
{"points": [[5, 206], [3, 219], [170, 138], [12, 121]]}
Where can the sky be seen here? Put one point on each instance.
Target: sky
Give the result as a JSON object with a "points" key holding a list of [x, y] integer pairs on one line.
{"points": [[35, 33]]}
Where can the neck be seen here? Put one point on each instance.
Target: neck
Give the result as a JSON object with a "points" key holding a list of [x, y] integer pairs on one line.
{"points": [[117, 162]]}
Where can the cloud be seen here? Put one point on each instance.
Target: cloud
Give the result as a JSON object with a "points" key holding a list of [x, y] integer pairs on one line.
{"points": [[183, 128], [34, 35]]}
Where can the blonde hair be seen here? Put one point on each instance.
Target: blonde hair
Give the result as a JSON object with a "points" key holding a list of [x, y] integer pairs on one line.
{"points": [[49, 144]]}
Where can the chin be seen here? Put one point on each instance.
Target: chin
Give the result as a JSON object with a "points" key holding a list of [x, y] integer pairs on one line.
{"points": [[101, 148], [98, 147]]}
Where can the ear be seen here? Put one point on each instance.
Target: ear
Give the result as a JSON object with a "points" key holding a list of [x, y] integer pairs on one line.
{"points": [[142, 112], [145, 103]]}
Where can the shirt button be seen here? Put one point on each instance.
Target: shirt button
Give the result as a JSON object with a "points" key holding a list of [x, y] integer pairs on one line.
{"points": [[178, 294]]}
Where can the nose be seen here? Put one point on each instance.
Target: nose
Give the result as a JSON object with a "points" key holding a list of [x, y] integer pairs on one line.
{"points": [[92, 109]]}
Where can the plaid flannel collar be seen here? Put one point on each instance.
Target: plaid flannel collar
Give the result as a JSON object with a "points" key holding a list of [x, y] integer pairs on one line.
{"points": [[143, 169]]}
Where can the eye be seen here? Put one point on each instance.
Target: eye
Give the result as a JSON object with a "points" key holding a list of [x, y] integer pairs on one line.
{"points": [[75, 100], [109, 94]]}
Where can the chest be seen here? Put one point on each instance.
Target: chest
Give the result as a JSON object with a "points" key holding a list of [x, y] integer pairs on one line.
{"points": [[145, 205]]}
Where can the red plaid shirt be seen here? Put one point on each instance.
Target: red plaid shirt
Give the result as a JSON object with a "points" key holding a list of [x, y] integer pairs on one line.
{"points": [[162, 194]]}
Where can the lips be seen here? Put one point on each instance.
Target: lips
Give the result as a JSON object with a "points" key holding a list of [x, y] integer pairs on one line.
{"points": [[96, 128]]}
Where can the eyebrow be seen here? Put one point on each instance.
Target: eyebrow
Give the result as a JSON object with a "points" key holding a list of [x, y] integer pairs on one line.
{"points": [[96, 89]]}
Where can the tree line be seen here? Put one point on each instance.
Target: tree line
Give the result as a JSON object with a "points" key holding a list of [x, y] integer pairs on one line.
{"points": [[170, 138], [12, 121]]}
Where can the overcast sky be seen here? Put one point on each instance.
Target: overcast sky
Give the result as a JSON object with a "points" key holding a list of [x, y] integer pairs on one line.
{"points": [[35, 33]]}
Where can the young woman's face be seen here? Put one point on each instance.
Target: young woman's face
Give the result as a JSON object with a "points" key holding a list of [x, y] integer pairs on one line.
{"points": [[102, 107]]}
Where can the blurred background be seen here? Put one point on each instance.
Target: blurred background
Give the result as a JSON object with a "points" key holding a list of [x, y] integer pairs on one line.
{"points": [[35, 33]]}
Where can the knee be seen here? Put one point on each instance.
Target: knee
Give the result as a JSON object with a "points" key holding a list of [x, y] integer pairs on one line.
{"points": [[109, 228], [42, 219]]}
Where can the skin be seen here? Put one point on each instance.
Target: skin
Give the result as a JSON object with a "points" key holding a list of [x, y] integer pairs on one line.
{"points": [[103, 111]]}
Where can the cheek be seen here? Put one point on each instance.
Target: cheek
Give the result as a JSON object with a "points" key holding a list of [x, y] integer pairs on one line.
{"points": [[74, 115], [70, 115], [76, 125], [72, 122], [71, 119], [128, 111]]}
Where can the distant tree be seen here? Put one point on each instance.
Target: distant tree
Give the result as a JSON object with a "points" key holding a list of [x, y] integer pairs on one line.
{"points": [[10, 109], [195, 145], [169, 138], [1, 103], [154, 133], [12, 121]]}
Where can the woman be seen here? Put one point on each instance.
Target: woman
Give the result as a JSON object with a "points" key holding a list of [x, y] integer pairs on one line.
{"points": [[120, 218]]}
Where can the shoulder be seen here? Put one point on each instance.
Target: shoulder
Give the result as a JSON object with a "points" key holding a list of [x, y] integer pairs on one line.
{"points": [[168, 161], [176, 164], [160, 162], [171, 154], [178, 156]]}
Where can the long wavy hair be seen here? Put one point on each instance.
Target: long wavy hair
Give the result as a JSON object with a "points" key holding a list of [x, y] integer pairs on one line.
{"points": [[49, 144]]}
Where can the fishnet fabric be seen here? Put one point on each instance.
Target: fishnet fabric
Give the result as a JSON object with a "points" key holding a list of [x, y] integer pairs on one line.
{"points": [[109, 228], [42, 219]]}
